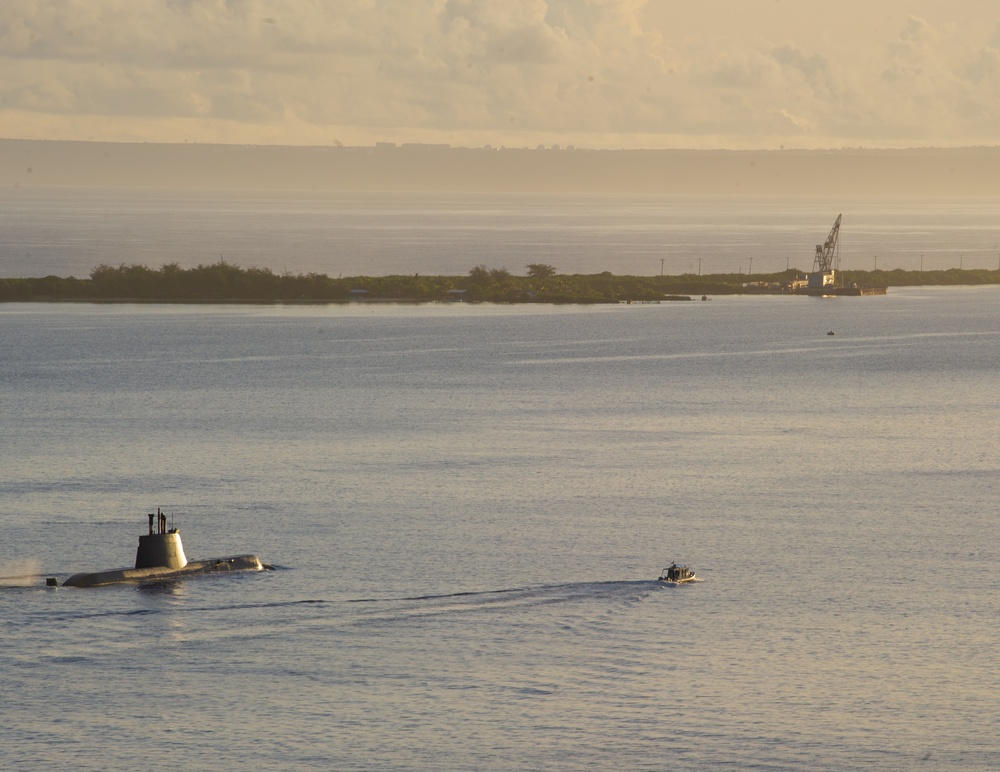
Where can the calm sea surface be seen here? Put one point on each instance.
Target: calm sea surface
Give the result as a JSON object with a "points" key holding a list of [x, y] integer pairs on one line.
{"points": [[68, 232], [467, 506]]}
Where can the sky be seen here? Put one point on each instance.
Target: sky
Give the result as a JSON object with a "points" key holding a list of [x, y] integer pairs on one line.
{"points": [[739, 74]]}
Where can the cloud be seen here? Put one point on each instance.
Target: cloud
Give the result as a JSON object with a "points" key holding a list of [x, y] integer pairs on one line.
{"points": [[934, 84], [589, 72]]}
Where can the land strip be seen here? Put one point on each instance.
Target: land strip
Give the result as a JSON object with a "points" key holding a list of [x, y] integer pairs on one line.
{"points": [[226, 282]]}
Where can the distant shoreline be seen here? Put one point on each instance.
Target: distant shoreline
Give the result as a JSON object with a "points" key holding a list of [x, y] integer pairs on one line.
{"points": [[968, 171], [223, 282]]}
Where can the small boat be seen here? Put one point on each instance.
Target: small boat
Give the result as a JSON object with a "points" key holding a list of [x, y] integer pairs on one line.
{"points": [[675, 574], [161, 558]]}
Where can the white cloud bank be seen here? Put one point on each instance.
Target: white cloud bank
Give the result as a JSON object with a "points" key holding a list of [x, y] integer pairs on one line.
{"points": [[595, 73]]}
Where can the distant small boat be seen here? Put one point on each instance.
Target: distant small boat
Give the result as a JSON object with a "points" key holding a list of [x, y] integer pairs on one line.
{"points": [[675, 574]]}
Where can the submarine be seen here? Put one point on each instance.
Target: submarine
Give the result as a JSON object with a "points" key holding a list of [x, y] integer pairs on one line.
{"points": [[160, 557]]}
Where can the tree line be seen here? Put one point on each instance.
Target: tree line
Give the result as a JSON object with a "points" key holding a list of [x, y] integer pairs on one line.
{"points": [[224, 281]]}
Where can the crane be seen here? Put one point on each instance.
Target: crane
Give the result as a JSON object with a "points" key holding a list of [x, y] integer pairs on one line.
{"points": [[826, 251]]}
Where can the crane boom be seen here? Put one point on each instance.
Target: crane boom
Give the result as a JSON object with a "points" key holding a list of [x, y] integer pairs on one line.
{"points": [[826, 251]]}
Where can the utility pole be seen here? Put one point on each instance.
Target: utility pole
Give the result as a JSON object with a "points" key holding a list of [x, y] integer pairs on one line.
{"points": [[661, 266]]}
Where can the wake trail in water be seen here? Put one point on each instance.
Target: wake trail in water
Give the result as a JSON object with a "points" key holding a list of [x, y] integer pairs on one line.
{"points": [[399, 610], [466, 599], [389, 609], [556, 591]]}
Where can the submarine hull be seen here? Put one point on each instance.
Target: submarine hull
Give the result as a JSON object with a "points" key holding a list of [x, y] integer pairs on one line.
{"points": [[165, 573]]}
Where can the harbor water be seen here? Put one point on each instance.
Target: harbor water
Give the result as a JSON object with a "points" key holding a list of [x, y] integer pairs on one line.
{"points": [[70, 231], [467, 507]]}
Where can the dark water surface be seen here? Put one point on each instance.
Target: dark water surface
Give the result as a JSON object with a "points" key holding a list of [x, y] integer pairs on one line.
{"points": [[467, 507]]}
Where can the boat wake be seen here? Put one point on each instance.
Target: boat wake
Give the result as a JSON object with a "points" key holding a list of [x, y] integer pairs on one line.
{"points": [[405, 606], [550, 592], [387, 610], [575, 605]]}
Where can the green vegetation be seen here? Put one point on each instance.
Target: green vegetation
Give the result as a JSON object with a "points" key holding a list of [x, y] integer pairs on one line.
{"points": [[225, 282]]}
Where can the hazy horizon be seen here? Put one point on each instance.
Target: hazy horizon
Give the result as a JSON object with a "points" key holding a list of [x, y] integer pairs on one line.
{"points": [[381, 144], [436, 168], [604, 74]]}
